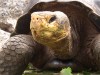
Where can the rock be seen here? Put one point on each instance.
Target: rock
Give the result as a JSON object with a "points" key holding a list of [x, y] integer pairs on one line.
{"points": [[10, 11], [6, 27], [3, 37], [12, 8]]}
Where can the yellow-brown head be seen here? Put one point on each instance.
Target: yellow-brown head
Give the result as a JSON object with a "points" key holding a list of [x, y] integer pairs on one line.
{"points": [[49, 27]]}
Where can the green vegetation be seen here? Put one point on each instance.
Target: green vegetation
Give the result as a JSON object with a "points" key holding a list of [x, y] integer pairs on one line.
{"points": [[64, 71]]}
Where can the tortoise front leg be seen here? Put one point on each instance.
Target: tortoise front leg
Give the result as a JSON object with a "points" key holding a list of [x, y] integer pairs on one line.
{"points": [[16, 54], [95, 49]]}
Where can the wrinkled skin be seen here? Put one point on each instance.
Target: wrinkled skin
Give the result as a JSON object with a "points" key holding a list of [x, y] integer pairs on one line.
{"points": [[54, 31], [21, 48]]}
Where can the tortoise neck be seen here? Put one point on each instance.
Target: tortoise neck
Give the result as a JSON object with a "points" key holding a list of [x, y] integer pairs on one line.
{"points": [[68, 47], [63, 46]]}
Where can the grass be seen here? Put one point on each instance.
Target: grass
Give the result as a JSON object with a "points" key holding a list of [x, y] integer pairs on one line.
{"points": [[65, 71]]}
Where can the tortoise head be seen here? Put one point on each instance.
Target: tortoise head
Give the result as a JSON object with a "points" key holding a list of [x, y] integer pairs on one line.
{"points": [[49, 27]]}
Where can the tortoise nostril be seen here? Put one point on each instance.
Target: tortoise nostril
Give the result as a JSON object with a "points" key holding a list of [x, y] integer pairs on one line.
{"points": [[35, 32], [37, 18], [52, 19]]}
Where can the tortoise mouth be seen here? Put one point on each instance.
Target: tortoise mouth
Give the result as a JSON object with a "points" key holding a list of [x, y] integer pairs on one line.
{"points": [[46, 34], [46, 29]]}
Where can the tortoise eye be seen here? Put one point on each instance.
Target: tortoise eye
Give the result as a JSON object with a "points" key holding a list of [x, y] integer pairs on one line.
{"points": [[52, 19]]}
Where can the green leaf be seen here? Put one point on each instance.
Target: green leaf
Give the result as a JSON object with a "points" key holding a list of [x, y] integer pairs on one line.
{"points": [[66, 71]]}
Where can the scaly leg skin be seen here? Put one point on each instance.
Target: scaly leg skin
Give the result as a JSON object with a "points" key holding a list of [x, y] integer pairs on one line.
{"points": [[16, 54], [96, 51]]}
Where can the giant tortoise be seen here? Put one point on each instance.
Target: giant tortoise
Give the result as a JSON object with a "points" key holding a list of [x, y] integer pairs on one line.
{"points": [[51, 36]]}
